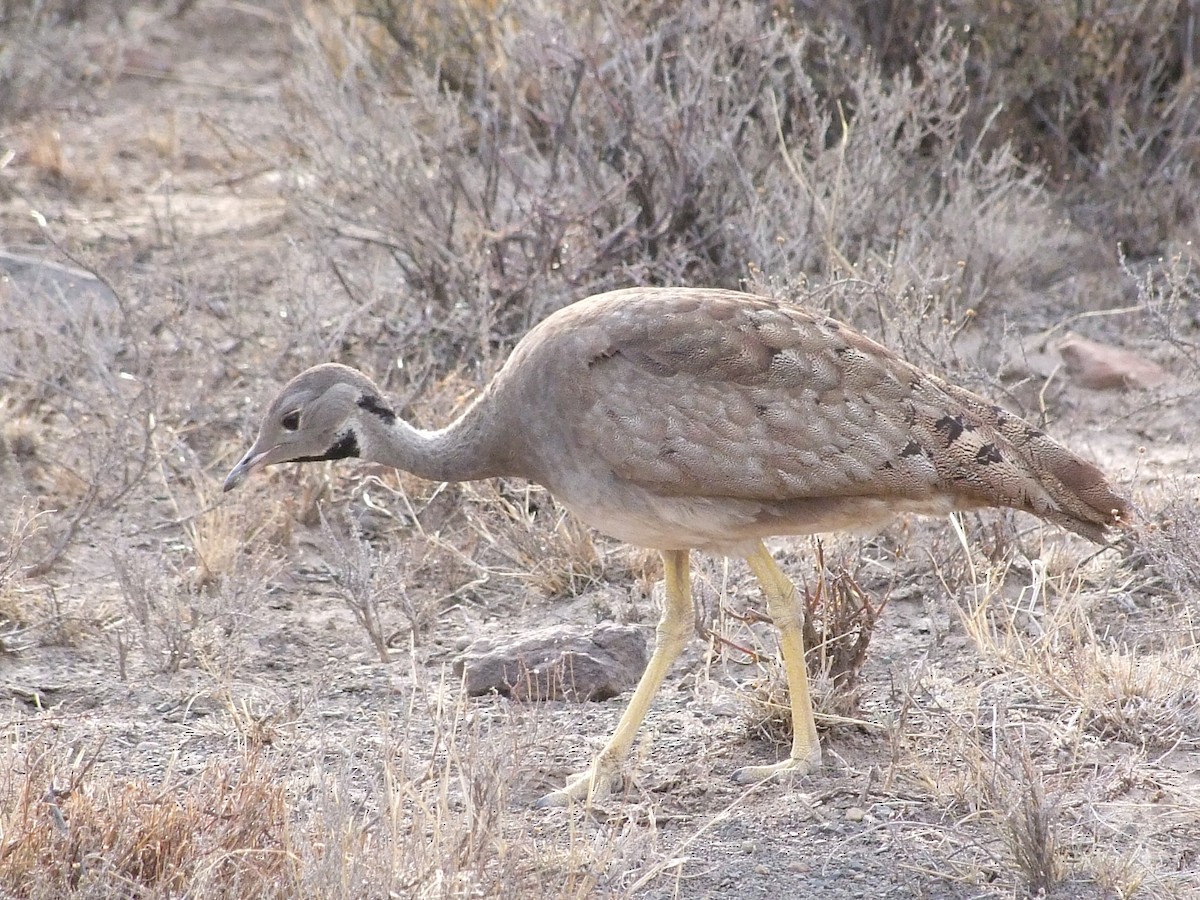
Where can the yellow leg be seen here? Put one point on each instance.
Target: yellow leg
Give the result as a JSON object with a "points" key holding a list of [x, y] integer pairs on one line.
{"points": [[674, 628], [784, 609]]}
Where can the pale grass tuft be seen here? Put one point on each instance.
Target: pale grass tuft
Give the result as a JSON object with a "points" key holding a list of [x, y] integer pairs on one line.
{"points": [[1044, 634], [44, 152], [1124, 875], [219, 533], [365, 577], [529, 538], [216, 540], [254, 725]]}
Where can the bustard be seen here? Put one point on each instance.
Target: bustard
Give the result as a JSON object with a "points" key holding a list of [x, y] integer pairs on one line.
{"points": [[688, 419]]}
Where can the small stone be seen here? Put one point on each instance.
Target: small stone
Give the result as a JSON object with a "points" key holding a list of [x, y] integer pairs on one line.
{"points": [[856, 814], [558, 662], [726, 706], [1102, 367]]}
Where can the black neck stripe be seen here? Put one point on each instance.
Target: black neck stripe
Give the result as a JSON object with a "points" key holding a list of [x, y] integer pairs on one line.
{"points": [[345, 447], [376, 406]]}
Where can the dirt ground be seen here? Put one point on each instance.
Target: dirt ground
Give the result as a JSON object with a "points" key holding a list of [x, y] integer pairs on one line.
{"points": [[1027, 716]]}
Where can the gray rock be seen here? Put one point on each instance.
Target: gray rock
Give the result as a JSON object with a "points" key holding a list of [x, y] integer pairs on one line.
{"points": [[79, 293], [560, 662], [68, 317]]}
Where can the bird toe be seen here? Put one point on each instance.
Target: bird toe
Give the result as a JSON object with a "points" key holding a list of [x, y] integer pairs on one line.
{"points": [[582, 787], [789, 768]]}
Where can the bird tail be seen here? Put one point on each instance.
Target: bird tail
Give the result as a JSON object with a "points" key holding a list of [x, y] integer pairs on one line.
{"points": [[1080, 497], [1045, 478]]}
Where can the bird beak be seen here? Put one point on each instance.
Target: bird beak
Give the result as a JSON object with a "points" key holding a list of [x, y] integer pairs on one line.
{"points": [[253, 459]]}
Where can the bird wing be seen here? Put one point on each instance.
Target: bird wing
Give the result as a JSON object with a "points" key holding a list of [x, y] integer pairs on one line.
{"points": [[729, 396]]}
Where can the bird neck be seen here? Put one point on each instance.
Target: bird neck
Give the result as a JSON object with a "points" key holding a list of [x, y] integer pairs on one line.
{"points": [[462, 451]]}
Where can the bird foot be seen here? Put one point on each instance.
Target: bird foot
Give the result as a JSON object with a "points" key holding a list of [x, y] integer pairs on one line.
{"points": [[585, 787], [795, 767]]}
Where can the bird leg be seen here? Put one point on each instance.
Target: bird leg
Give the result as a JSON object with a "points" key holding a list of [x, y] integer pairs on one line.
{"points": [[784, 609], [674, 628]]}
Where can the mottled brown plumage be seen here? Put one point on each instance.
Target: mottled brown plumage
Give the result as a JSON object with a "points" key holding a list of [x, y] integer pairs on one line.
{"points": [[685, 419], [791, 420]]}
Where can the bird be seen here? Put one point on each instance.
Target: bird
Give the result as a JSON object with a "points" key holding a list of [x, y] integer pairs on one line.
{"points": [[697, 419]]}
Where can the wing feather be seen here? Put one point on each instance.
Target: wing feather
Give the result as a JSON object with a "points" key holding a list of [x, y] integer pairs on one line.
{"points": [[713, 394]]}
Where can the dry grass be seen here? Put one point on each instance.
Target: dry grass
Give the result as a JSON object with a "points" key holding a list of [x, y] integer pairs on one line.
{"points": [[1043, 636], [1049, 754], [67, 829], [383, 819], [1031, 807]]}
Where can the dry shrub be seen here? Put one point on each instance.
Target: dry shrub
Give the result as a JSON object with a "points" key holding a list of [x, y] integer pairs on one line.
{"points": [[577, 158], [626, 144], [1149, 698], [72, 355], [1103, 99], [1167, 555], [363, 576], [1168, 301], [839, 619], [468, 168], [157, 614], [174, 616], [219, 536]]}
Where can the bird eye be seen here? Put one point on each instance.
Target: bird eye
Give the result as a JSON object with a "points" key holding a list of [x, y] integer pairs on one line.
{"points": [[291, 422]]}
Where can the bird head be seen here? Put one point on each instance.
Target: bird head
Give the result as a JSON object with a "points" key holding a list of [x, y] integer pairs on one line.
{"points": [[312, 419]]}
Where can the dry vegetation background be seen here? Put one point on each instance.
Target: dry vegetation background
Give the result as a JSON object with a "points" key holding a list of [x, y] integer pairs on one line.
{"points": [[251, 696]]}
